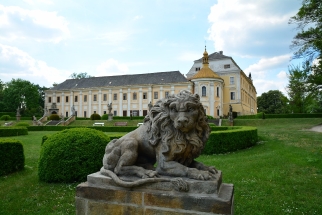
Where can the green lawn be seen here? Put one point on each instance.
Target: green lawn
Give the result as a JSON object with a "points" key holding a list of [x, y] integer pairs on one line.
{"points": [[281, 175]]}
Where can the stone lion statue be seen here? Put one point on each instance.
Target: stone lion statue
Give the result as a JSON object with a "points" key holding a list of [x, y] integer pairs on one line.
{"points": [[173, 134]]}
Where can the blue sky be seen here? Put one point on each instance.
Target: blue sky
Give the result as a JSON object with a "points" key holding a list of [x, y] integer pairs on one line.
{"points": [[45, 41]]}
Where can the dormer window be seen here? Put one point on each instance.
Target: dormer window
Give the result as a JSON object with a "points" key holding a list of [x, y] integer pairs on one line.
{"points": [[226, 66], [197, 68]]}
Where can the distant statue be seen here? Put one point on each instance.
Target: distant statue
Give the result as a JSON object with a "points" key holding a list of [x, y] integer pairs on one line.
{"points": [[45, 111], [150, 105], [18, 112], [109, 107], [73, 111], [62, 117], [230, 114]]}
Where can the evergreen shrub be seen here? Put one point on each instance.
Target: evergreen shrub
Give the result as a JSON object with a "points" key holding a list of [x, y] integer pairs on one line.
{"points": [[11, 114], [230, 139], [95, 116], [54, 117], [72, 154], [5, 117], [100, 128], [13, 131], [23, 124], [105, 117], [11, 156]]}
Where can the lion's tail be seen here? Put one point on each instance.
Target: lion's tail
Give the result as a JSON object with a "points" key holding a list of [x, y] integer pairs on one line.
{"points": [[139, 182]]}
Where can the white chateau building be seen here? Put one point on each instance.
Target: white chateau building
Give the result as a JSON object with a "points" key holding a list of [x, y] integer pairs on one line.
{"points": [[216, 78]]}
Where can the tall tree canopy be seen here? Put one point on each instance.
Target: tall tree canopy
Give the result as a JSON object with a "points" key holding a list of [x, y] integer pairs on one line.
{"points": [[272, 102], [20, 93], [308, 41], [80, 75]]}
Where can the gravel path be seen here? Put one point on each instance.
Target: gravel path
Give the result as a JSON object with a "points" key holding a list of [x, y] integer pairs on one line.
{"points": [[316, 128]]}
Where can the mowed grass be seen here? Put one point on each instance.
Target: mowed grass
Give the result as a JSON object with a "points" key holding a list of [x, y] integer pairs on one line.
{"points": [[280, 175]]}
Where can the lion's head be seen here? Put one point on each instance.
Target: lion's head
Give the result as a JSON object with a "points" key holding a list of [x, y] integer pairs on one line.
{"points": [[179, 123]]}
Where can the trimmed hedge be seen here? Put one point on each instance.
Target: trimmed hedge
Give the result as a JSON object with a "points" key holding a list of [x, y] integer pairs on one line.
{"points": [[13, 131], [54, 117], [71, 155], [12, 158], [12, 114], [128, 118], [23, 124], [294, 115], [5, 117], [260, 115], [100, 128], [229, 139], [95, 116]]}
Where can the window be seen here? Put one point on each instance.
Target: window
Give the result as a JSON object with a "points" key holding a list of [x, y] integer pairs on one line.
{"points": [[155, 95], [197, 68], [85, 99], [134, 96], [166, 94], [49, 99], [203, 91], [115, 113], [94, 111], [58, 99], [104, 111], [232, 80], [217, 91], [67, 111], [104, 97], [124, 96], [67, 101], [115, 96], [84, 114], [232, 95], [217, 112], [95, 98], [145, 96], [226, 66], [76, 98]]}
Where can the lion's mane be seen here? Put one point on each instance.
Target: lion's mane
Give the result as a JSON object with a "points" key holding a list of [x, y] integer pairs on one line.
{"points": [[162, 130]]}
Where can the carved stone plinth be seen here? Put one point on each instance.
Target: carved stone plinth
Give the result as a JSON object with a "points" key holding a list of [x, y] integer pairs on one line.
{"points": [[110, 117], [99, 195]]}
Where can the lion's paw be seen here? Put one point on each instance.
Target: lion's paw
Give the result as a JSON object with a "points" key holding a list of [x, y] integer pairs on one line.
{"points": [[200, 174], [150, 174]]}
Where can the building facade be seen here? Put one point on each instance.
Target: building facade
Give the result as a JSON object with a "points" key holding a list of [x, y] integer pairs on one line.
{"points": [[131, 94]]}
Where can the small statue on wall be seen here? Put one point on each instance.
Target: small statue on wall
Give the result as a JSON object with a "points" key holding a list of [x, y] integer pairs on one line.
{"points": [[109, 107]]}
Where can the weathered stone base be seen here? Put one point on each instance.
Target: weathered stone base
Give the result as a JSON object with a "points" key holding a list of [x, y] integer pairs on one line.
{"points": [[98, 196]]}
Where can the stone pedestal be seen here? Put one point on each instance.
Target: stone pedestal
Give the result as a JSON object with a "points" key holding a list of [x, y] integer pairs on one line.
{"points": [[99, 195], [110, 117], [18, 117]]}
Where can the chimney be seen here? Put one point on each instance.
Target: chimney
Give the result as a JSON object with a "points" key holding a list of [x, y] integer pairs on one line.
{"points": [[221, 52]]}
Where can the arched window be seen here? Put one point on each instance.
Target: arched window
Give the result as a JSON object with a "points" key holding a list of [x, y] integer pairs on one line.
{"points": [[203, 91]]}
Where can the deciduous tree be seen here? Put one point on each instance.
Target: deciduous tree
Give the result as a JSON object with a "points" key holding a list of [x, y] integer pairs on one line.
{"points": [[80, 75], [20, 93], [272, 102]]}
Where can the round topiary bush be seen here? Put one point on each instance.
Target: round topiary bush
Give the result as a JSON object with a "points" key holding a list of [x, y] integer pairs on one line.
{"points": [[72, 154], [5, 117], [24, 124], [54, 117], [95, 116], [105, 117]]}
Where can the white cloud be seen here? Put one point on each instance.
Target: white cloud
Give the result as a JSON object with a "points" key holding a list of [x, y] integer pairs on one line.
{"points": [[15, 63], [257, 28], [43, 26], [264, 65], [111, 67]]}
